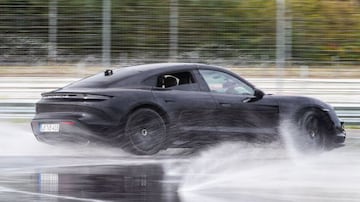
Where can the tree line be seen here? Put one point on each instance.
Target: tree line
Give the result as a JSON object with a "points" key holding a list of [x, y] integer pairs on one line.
{"points": [[231, 30]]}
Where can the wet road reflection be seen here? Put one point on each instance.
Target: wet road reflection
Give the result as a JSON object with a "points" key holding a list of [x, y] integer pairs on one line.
{"points": [[143, 182], [229, 172]]}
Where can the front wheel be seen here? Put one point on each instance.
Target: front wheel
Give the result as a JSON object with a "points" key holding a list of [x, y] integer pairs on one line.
{"points": [[145, 132], [313, 133]]}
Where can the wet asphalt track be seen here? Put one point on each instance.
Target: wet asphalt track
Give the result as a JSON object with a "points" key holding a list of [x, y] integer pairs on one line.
{"points": [[30, 171]]}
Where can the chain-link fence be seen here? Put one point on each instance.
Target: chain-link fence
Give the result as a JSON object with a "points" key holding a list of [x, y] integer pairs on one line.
{"points": [[235, 32]]}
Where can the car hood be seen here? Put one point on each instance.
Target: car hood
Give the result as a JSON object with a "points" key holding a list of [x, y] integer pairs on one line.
{"points": [[292, 104], [300, 101]]}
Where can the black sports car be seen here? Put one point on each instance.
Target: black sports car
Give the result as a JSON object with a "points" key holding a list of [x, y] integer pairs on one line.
{"points": [[147, 108]]}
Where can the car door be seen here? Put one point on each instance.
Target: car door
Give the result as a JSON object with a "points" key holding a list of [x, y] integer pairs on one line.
{"points": [[238, 112], [191, 110]]}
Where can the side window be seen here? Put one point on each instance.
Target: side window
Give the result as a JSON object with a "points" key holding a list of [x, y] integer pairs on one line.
{"points": [[220, 82], [178, 81]]}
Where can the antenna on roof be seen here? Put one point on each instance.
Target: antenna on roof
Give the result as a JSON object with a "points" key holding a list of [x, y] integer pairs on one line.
{"points": [[108, 72]]}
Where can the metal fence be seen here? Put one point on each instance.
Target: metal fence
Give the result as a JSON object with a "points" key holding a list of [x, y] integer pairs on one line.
{"points": [[289, 32], [18, 95]]}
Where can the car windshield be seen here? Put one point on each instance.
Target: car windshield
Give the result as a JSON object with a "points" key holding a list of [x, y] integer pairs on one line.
{"points": [[220, 82]]}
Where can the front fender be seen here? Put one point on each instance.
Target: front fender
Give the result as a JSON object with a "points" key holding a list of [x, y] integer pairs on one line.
{"points": [[292, 107]]}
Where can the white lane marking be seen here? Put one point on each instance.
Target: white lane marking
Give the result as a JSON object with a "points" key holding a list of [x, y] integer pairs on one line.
{"points": [[4, 189]]}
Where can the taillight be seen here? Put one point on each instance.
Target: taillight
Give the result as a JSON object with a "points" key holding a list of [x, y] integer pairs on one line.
{"points": [[75, 96], [68, 123]]}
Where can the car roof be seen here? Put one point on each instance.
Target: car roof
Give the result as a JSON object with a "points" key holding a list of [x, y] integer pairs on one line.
{"points": [[133, 75], [168, 66]]}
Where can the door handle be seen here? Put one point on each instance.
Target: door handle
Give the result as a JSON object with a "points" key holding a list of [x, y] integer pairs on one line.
{"points": [[225, 104], [248, 99], [169, 100]]}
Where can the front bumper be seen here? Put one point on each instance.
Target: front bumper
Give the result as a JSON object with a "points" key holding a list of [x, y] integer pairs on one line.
{"points": [[340, 134]]}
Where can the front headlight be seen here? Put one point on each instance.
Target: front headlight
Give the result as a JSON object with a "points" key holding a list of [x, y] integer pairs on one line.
{"points": [[325, 109]]}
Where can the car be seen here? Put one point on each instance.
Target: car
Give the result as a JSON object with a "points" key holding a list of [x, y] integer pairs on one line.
{"points": [[147, 108]]}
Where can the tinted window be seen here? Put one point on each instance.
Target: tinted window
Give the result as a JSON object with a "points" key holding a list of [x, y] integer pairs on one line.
{"points": [[220, 82], [178, 81]]}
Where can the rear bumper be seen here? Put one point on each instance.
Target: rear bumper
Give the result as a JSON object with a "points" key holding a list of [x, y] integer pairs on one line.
{"points": [[70, 131]]}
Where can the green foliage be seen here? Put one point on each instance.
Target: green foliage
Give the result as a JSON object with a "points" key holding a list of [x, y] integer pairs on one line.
{"points": [[326, 30], [322, 30]]}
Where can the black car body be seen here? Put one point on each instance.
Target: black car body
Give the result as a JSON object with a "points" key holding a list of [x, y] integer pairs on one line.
{"points": [[147, 108]]}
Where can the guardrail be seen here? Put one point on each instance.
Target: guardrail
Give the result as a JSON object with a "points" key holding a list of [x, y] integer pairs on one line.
{"points": [[18, 95]]}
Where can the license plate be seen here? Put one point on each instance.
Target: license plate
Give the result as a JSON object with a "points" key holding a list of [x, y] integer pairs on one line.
{"points": [[49, 127]]}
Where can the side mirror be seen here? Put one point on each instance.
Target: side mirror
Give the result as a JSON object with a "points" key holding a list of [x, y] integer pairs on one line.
{"points": [[259, 94]]}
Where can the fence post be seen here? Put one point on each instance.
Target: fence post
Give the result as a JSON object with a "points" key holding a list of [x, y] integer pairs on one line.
{"points": [[173, 27], [106, 34], [52, 35], [280, 41]]}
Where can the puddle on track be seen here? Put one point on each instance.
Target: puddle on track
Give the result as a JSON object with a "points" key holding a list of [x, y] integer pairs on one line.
{"points": [[249, 172], [31, 171]]}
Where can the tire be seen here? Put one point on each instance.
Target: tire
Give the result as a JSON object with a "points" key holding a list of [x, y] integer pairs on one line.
{"points": [[145, 132], [313, 133]]}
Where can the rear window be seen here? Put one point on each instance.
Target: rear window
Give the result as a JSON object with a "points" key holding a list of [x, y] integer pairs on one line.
{"points": [[101, 81], [174, 79]]}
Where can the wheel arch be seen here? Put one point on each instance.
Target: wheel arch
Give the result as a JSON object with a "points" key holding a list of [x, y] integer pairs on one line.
{"points": [[164, 115], [320, 111], [120, 128], [138, 111]]}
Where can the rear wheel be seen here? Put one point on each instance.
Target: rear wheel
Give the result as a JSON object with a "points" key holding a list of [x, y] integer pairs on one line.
{"points": [[145, 132], [313, 133]]}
